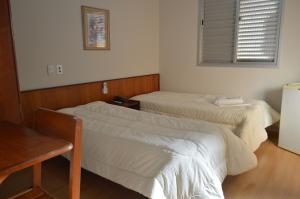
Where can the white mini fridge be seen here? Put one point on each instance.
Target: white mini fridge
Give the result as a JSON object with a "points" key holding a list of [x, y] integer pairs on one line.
{"points": [[289, 133]]}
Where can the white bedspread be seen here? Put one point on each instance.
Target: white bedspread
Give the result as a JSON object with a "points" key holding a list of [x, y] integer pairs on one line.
{"points": [[247, 122], [159, 156]]}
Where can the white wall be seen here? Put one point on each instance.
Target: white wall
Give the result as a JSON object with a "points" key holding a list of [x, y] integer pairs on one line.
{"points": [[145, 34], [178, 57], [50, 32]]}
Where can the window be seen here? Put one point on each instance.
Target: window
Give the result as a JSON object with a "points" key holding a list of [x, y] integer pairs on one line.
{"points": [[239, 31]]}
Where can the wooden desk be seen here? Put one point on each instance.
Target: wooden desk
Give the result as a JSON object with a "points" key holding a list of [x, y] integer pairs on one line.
{"points": [[21, 147]]}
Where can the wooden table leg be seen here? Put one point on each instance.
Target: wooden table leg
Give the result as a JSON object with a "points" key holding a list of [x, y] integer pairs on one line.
{"points": [[75, 171], [37, 175]]}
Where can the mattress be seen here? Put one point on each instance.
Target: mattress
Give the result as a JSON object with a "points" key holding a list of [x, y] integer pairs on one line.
{"points": [[159, 156], [247, 122]]}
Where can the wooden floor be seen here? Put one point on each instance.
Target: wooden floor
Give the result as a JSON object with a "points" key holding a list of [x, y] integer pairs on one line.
{"points": [[276, 177]]}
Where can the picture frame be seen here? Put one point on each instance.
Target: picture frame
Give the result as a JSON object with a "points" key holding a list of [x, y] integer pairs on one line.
{"points": [[95, 25]]}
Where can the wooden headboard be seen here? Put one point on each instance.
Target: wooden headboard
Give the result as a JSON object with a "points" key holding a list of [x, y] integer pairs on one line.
{"points": [[73, 95]]}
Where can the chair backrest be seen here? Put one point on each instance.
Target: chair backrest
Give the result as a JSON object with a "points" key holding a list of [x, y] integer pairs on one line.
{"points": [[67, 127]]}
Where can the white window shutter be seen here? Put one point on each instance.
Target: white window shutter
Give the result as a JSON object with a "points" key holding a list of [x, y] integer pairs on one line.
{"points": [[218, 31], [258, 30]]}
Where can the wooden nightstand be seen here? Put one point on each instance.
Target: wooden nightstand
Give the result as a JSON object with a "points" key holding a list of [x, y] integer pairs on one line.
{"points": [[133, 104]]}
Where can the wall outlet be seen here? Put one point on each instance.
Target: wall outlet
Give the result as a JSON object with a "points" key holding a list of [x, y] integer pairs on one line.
{"points": [[59, 69], [51, 69]]}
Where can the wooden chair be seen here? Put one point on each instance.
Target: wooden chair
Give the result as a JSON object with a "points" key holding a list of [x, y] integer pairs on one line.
{"points": [[67, 127]]}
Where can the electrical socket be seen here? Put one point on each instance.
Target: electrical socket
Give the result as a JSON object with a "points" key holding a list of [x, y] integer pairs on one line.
{"points": [[59, 69]]}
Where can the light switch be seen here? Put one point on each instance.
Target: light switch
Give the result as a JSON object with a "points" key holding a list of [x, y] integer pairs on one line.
{"points": [[59, 69], [51, 69]]}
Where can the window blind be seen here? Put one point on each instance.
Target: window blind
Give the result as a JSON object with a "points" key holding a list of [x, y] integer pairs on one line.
{"points": [[218, 31], [258, 30], [236, 31]]}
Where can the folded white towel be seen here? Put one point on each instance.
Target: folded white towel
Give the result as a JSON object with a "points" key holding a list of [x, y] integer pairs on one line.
{"points": [[225, 101], [232, 105]]}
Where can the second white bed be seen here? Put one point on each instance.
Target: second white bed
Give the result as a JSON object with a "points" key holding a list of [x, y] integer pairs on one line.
{"points": [[247, 122], [160, 156]]}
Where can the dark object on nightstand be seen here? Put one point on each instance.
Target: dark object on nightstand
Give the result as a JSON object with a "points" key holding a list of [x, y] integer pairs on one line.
{"points": [[133, 104]]}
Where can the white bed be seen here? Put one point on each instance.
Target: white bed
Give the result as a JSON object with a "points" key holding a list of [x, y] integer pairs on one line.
{"points": [[247, 122], [160, 156]]}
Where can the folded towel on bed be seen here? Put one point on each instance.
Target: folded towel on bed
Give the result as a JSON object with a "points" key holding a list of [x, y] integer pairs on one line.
{"points": [[229, 101]]}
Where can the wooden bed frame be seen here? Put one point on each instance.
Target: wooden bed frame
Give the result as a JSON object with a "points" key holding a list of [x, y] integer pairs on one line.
{"points": [[73, 95]]}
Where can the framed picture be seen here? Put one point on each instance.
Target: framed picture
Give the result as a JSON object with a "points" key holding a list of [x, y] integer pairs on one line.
{"points": [[95, 23]]}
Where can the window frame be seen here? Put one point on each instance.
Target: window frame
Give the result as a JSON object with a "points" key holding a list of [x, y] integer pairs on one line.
{"points": [[235, 63]]}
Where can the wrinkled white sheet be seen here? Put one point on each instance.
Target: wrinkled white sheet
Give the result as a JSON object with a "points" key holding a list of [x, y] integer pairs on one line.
{"points": [[247, 122], [159, 156]]}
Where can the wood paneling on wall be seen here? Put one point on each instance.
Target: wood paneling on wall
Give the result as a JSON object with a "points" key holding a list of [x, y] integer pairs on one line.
{"points": [[9, 91], [73, 95]]}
